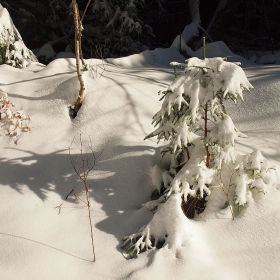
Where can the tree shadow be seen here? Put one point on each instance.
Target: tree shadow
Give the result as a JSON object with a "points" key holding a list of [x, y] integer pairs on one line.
{"points": [[118, 173], [41, 173], [120, 182], [126, 186]]}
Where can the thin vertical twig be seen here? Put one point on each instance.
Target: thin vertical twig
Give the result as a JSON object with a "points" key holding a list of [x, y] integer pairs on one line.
{"points": [[188, 153], [205, 114], [204, 47], [82, 173], [84, 179], [85, 10], [227, 193], [205, 134]]}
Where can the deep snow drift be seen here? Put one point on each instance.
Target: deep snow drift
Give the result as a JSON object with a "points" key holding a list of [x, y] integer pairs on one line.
{"points": [[43, 235]]}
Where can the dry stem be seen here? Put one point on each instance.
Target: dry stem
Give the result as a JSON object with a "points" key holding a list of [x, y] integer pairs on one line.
{"points": [[85, 10], [82, 173], [227, 193], [205, 135]]}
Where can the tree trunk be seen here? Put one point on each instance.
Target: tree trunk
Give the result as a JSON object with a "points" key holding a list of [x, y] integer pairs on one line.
{"points": [[78, 37]]}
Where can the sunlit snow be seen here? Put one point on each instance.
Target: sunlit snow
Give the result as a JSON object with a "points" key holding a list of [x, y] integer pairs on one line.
{"points": [[44, 230]]}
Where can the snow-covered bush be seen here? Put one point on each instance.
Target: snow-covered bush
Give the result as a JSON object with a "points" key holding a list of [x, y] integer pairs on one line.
{"points": [[201, 144], [12, 48], [46, 54]]}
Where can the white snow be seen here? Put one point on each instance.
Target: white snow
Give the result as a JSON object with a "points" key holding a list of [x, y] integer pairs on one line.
{"points": [[43, 235], [180, 44]]}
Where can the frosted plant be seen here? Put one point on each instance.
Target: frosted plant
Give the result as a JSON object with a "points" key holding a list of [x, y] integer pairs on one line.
{"points": [[14, 121], [201, 138]]}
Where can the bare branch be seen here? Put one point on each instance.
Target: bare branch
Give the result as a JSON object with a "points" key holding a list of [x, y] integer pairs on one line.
{"points": [[85, 10], [82, 173]]}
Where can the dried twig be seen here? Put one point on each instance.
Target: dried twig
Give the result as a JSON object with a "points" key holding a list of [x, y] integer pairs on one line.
{"points": [[84, 13], [58, 208], [82, 172]]}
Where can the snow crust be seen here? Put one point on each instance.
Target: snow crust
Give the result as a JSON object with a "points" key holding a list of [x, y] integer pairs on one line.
{"points": [[43, 235]]}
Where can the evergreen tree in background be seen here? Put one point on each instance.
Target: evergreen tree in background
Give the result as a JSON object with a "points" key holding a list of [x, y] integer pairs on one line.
{"points": [[117, 28], [111, 28], [248, 25]]}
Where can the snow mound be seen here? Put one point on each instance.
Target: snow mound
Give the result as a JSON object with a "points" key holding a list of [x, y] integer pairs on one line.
{"points": [[184, 48], [163, 57], [190, 31], [57, 66], [214, 50], [270, 59], [158, 57], [65, 55], [46, 53], [220, 49]]}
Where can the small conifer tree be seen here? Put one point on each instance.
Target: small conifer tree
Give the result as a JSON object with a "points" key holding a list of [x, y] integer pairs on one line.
{"points": [[12, 48], [201, 143]]}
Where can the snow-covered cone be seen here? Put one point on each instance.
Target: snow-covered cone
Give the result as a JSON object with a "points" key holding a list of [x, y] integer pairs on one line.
{"points": [[46, 54], [12, 48]]}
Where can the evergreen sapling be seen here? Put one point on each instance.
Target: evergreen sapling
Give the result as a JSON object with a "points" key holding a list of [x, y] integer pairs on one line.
{"points": [[201, 143]]}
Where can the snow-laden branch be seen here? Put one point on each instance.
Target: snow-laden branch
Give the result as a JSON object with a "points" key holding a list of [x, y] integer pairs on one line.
{"points": [[201, 140]]}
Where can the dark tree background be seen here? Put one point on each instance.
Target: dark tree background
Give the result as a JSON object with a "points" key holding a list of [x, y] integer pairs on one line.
{"points": [[242, 25], [249, 25]]}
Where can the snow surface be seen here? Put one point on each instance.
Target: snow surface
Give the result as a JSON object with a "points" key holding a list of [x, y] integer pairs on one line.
{"points": [[43, 235]]}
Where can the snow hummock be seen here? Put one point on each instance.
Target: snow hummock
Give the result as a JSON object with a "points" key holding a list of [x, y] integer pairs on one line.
{"points": [[270, 59], [46, 53], [44, 235], [181, 45], [157, 57]]}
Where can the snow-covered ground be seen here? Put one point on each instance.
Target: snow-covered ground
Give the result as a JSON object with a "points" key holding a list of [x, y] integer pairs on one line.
{"points": [[43, 235]]}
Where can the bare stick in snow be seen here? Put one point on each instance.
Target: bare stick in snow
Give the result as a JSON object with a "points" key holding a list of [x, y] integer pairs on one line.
{"points": [[87, 164]]}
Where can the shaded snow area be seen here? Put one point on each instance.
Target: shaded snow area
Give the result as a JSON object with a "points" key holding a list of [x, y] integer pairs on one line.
{"points": [[44, 229]]}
